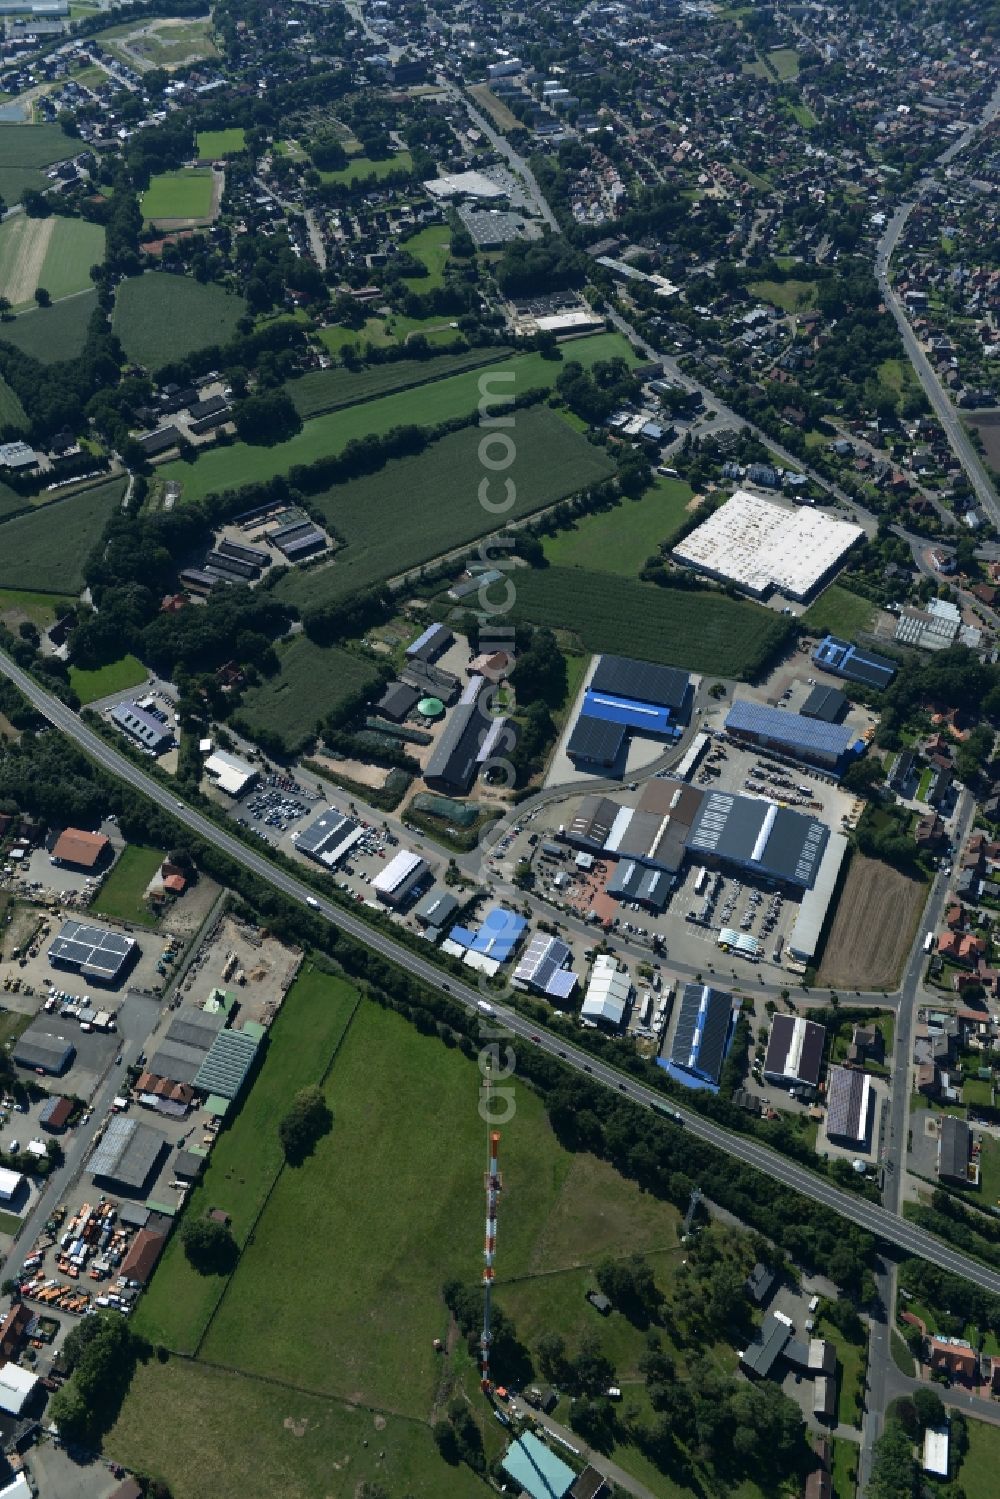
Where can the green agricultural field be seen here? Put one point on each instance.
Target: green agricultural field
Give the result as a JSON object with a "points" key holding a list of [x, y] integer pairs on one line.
{"points": [[12, 414], [839, 612], [74, 247], [312, 682], [790, 296], [248, 1436], [418, 508], [213, 144], [103, 680], [185, 194], [45, 551], [320, 391], [52, 333], [360, 167], [702, 630], [247, 1156], [423, 406], [160, 318], [121, 895], [56, 253], [430, 246], [12, 503], [32, 147], [620, 540]]}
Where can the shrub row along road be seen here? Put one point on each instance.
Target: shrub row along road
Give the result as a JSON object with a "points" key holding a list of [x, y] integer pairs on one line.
{"points": [[875, 1219]]}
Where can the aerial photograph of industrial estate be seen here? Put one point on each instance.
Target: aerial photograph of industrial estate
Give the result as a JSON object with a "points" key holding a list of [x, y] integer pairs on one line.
{"points": [[499, 759]]}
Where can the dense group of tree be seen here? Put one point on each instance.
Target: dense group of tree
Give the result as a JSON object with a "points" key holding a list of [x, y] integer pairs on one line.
{"points": [[100, 1354]]}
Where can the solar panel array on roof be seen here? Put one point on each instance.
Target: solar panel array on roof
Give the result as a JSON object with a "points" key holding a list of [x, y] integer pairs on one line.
{"points": [[847, 1096], [92, 951], [543, 958], [758, 834], [702, 1031], [666, 686], [227, 1064], [854, 663], [596, 740], [807, 737]]}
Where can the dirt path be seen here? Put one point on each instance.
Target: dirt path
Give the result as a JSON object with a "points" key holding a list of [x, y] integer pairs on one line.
{"points": [[25, 243]]}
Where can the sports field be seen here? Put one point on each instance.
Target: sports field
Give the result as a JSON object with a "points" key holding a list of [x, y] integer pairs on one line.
{"points": [[873, 927], [213, 144], [52, 333], [46, 550], [702, 630], [160, 318], [56, 253], [319, 391], [423, 406], [121, 895], [185, 194], [621, 540], [312, 682], [418, 508], [103, 680]]}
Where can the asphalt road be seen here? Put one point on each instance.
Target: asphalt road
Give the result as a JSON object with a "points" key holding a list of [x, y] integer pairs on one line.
{"points": [[868, 1215]]}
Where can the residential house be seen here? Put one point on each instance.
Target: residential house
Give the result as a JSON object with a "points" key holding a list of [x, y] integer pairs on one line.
{"points": [[955, 1357]]}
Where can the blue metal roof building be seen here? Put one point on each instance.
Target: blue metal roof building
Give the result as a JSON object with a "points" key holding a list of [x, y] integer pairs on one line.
{"points": [[536, 1470], [498, 935], [648, 718], [809, 739], [854, 664], [705, 1026]]}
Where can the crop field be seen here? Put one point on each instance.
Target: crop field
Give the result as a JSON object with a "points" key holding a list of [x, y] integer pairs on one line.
{"points": [[121, 895], [430, 246], [56, 253], [417, 508], [873, 927], [360, 167], [101, 681], [45, 551], [320, 391], [160, 317], [185, 194], [249, 1436], [12, 416], [423, 406], [312, 682], [213, 144], [839, 612], [32, 147], [620, 540], [49, 334], [704, 631]]}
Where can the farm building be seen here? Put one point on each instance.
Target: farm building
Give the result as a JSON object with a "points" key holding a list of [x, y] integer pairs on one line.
{"points": [[41, 1051], [827, 704], [625, 697], [329, 837], [142, 1256], [93, 952], [79, 849], [933, 629], [794, 1052], [809, 923], [607, 994], [701, 1037], [543, 967], [299, 539], [433, 642], [231, 774], [127, 1154], [848, 1104], [537, 1471], [151, 732], [465, 743], [954, 1151], [762, 546], [842, 659], [757, 835], [400, 877], [826, 745], [767, 1347], [397, 701]]}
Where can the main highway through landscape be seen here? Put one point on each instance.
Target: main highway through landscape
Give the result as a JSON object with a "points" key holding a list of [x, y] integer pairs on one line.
{"points": [[877, 1220]]}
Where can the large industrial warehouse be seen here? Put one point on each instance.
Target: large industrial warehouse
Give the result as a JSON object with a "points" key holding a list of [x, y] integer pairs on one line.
{"points": [[759, 836], [826, 745], [627, 697], [94, 953], [701, 1039], [763, 546]]}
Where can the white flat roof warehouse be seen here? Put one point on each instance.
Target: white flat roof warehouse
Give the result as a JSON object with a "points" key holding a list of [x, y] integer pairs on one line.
{"points": [[761, 545]]}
